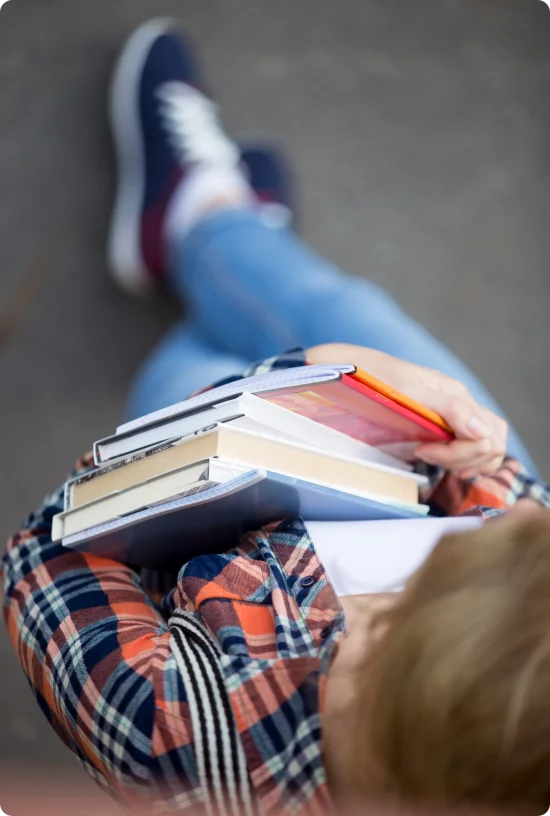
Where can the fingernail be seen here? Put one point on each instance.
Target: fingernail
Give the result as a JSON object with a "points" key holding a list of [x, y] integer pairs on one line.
{"points": [[478, 428]]}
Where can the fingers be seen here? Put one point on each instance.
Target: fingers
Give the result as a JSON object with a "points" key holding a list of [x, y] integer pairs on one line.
{"points": [[461, 455], [466, 457], [467, 419], [486, 468], [481, 435]]}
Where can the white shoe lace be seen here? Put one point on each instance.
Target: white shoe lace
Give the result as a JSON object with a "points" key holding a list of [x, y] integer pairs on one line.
{"points": [[192, 127]]}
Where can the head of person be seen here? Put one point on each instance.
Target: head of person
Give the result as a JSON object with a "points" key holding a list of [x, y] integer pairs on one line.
{"points": [[453, 700]]}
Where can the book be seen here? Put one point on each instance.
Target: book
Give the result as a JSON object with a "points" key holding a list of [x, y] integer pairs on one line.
{"points": [[248, 412], [338, 398], [327, 443], [352, 407], [386, 390], [167, 534], [254, 450], [186, 481]]}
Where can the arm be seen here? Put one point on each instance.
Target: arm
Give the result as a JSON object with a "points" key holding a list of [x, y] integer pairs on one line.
{"points": [[468, 473], [97, 655]]}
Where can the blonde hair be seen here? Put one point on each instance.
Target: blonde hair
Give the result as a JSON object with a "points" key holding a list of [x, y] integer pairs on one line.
{"points": [[455, 695]]}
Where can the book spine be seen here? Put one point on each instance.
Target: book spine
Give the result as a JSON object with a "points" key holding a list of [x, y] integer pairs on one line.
{"points": [[58, 528]]}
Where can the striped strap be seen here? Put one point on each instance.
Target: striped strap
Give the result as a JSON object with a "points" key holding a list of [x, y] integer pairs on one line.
{"points": [[221, 763]]}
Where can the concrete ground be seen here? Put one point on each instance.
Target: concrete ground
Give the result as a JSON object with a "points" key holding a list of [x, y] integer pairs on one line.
{"points": [[420, 132]]}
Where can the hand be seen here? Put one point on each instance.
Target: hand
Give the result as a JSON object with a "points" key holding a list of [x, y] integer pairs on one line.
{"points": [[481, 435]]}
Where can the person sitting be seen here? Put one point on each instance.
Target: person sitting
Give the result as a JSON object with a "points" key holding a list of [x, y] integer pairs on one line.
{"points": [[249, 685]]}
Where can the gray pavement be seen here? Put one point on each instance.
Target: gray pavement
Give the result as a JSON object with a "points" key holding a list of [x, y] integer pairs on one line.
{"points": [[420, 132]]}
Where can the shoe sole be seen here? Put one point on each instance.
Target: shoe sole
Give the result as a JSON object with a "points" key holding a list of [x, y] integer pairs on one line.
{"points": [[124, 245]]}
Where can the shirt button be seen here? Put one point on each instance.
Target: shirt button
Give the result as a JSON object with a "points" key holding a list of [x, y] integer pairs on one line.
{"points": [[308, 581], [285, 525], [326, 631]]}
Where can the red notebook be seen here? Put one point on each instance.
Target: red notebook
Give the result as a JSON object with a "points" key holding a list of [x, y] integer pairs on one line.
{"points": [[356, 409]]}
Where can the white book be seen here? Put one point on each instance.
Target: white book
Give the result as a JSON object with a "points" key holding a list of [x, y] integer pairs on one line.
{"points": [[250, 413]]}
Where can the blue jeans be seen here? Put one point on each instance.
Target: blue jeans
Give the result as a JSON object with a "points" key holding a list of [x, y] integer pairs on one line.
{"points": [[253, 292]]}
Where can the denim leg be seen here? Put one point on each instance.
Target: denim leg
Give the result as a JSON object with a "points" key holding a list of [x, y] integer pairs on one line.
{"points": [[181, 364], [255, 291]]}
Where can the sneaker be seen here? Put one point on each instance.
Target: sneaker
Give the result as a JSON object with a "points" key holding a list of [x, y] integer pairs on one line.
{"points": [[164, 125], [270, 176]]}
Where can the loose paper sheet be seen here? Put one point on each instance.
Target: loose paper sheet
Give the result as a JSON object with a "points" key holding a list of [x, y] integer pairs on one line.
{"points": [[363, 557]]}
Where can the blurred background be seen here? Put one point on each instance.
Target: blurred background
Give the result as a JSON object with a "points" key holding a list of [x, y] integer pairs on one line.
{"points": [[420, 135]]}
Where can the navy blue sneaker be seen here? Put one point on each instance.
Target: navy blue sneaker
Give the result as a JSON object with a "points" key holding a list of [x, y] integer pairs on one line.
{"points": [[270, 176], [164, 124]]}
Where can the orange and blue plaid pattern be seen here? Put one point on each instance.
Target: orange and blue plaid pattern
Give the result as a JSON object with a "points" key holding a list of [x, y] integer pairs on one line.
{"points": [[95, 647]]}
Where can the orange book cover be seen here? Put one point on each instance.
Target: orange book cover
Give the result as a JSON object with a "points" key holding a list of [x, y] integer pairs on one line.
{"points": [[389, 392]]}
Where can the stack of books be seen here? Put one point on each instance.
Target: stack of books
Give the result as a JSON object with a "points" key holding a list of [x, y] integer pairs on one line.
{"points": [[327, 443]]}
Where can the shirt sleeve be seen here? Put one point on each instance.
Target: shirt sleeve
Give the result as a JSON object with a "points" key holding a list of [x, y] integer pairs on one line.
{"points": [[448, 495], [97, 655]]}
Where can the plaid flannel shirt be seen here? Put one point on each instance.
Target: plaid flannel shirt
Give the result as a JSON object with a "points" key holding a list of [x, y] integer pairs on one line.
{"points": [[95, 647]]}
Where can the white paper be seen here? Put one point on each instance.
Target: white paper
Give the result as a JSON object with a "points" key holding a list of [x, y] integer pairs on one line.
{"points": [[363, 557]]}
